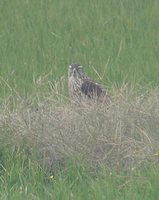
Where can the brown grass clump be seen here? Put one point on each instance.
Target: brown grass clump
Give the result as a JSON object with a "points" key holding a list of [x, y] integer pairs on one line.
{"points": [[124, 136]]}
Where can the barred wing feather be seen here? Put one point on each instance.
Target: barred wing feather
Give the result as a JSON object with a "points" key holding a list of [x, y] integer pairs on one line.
{"points": [[91, 89]]}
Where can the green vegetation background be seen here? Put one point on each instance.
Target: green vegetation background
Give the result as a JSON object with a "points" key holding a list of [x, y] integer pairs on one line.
{"points": [[119, 38], [38, 40]]}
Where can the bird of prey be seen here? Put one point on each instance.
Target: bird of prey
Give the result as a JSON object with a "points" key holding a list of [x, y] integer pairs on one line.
{"points": [[82, 88]]}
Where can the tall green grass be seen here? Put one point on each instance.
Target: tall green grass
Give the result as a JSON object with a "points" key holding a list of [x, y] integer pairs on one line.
{"points": [[21, 177], [117, 42], [118, 38]]}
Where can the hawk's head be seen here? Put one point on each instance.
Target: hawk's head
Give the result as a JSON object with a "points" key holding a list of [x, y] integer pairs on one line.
{"points": [[75, 70]]}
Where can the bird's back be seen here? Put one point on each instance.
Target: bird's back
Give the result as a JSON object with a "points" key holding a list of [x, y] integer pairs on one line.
{"points": [[94, 91]]}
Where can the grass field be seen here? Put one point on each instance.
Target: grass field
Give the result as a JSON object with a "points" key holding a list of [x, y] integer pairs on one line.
{"points": [[119, 39], [117, 153]]}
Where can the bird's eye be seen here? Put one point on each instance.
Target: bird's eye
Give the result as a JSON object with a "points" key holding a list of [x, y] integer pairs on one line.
{"points": [[70, 67]]}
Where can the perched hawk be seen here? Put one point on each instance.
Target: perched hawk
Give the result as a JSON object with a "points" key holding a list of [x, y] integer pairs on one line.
{"points": [[82, 88]]}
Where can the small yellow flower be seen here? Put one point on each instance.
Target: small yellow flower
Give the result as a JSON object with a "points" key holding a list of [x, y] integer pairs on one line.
{"points": [[156, 154], [51, 177]]}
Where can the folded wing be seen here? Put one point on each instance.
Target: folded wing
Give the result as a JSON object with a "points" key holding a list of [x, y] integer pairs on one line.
{"points": [[91, 89]]}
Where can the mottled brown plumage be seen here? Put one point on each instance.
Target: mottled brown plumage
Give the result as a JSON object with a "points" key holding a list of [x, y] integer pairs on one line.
{"points": [[82, 88]]}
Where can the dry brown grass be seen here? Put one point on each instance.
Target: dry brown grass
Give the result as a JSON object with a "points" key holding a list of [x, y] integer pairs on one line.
{"points": [[124, 136]]}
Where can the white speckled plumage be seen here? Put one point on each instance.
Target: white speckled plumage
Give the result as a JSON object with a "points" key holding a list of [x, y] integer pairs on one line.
{"points": [[82, 88]]}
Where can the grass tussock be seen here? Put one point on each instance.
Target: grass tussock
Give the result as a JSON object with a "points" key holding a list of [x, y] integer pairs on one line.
{"points": [[123, 136]]}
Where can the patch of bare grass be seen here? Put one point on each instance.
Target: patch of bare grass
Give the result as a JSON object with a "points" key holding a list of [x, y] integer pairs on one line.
{"points": [[125, 136]]}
